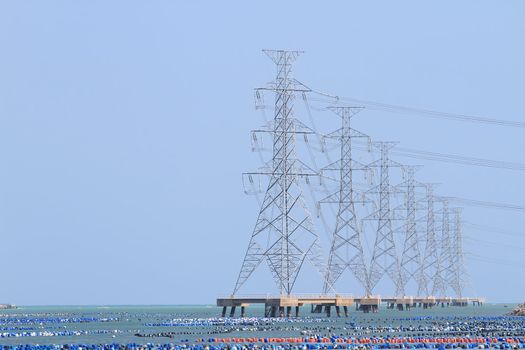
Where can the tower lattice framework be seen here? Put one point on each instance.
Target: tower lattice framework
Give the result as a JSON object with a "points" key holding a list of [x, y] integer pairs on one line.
{"points": [[346, 250], [456, 278], [443, 264], [410, 265], [384, 256], [284, 235], [430, 255]]}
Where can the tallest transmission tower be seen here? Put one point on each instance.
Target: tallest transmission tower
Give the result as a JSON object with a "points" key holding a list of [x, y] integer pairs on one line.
{"points": [[284, 235]]}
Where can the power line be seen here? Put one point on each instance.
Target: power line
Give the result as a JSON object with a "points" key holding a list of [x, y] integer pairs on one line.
{"points": [[492, 244], [487, 204], [453, 158], [422, 112], [491, 260], [494, 230]]}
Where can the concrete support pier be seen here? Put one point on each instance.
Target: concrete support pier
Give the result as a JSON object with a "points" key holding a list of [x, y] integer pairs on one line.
{"points": [[427, 303], [368, 304], [281, 306], [401, 303]]}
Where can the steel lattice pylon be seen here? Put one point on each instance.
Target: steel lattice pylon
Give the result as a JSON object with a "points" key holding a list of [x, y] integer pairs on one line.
{"points": [[384, 256], [456, 279], [410, 265], [443, 266], [284, 234], [346, 248], [430, 257]]}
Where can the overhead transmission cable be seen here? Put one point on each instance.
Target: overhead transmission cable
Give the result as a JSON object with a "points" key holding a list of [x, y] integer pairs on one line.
{"points": [[457, 159], [453, 158], [492, 260], [422, 112], [494, 230], [486, 204]]}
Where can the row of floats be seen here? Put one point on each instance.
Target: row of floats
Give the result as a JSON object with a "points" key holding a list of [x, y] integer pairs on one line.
{"points": [[372, 340]]}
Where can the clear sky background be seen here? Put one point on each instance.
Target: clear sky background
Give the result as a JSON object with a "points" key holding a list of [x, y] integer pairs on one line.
{"points": [[124, 130]]}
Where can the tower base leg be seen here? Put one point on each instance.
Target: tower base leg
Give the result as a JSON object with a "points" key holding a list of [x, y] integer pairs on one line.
{"points": [[267, 310], [328, 310], [273, 313]]}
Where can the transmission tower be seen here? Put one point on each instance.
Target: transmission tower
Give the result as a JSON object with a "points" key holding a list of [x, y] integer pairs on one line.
{"points": [[443, 266], [430, 258], [284, 235], [346, 249], [410, 265], [456, 279], [384, 257]]}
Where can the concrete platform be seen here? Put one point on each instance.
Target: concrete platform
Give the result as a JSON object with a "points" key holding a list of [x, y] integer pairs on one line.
{"points": [[283, 305]]}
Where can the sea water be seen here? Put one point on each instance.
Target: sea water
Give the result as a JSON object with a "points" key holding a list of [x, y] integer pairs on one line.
{"points": [[190, 323]]}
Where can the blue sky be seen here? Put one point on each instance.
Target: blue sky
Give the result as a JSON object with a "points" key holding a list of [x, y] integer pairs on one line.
{"points": [[124, 130]]}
